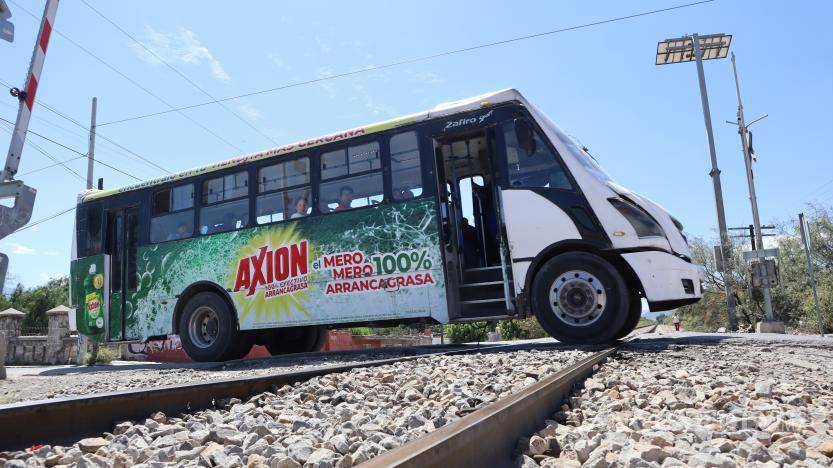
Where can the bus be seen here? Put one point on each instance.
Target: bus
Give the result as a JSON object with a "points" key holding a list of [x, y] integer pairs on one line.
{"points": [[481, 209]]}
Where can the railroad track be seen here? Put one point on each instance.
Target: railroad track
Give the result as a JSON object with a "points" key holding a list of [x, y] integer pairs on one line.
{"points": [[478, 439], [66, 420], [489, 436]]}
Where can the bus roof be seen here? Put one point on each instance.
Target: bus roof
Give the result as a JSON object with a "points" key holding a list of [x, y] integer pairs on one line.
{"points": [[448, 108]]}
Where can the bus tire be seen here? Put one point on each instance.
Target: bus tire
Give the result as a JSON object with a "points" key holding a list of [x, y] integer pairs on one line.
{"points": [[241, 346], [207, 328], [580, 298], [634, 314], [295, 340]]}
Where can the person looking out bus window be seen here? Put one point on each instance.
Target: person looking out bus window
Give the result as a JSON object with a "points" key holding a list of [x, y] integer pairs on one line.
{"points": [[182, 231], [300, 208], [345, 198]]}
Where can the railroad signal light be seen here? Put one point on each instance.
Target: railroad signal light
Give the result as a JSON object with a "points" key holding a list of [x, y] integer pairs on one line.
{"points": [[6, 27]]}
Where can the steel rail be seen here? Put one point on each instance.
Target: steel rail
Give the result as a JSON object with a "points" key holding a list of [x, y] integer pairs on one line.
{"points": [[489, 436], [66, 420]]}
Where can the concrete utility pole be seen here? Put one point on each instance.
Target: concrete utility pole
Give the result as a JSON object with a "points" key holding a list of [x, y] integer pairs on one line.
{"points": [[808, 250], [81, 348], [91, 149], [772, 325]]}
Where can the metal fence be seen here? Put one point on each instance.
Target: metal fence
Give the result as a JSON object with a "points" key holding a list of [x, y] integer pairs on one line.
{"points": [[28, 330]]}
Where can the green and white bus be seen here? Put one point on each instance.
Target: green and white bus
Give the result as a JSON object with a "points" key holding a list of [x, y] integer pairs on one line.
{"points": [[480, 209]]}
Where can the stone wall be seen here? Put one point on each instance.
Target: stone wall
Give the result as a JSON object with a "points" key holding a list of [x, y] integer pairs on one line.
{"points": [[57, 347]]}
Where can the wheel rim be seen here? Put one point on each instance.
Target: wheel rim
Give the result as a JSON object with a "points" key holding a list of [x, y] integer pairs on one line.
{"points": [[577, 298], [203, 327]]}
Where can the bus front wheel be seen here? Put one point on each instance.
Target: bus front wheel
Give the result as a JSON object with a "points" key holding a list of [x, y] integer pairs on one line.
{"points": [[207, 329], [580, 298], [634, 314]]}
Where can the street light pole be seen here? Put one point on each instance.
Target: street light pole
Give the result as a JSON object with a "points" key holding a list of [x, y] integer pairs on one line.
{"points": [[725, 243]]}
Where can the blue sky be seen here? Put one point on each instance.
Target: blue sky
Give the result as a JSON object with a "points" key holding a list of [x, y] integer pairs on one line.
{"points": [[644, 123]]}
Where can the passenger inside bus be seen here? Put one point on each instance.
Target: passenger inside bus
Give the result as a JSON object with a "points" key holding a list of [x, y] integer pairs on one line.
{"points": [[345, 198], [182, 231], [300, 207]]}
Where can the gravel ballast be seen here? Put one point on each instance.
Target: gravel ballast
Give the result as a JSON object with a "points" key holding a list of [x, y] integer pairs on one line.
{"points": [[337, 420], [78, 381], [719, 405]]}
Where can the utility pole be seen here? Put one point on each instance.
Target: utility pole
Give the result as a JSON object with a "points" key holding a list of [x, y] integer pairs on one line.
{"points": [[808, 249], [91, 150], [18, 214], [81, 348], [771, 325]]}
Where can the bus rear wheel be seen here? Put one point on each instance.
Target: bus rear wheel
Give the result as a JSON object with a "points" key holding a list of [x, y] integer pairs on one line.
{"points": [[207, 329], [294, 339], [580, 298]]}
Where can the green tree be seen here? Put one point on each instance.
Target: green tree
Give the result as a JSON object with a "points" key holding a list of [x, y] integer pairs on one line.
{"points": [[792, 299], [36, 301]]}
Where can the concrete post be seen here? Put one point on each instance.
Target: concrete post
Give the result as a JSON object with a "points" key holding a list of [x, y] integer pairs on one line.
{"points": [[11, 321], [58, 330], [3, 347]]}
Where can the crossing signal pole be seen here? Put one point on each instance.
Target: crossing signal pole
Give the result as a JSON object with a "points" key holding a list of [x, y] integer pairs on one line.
{"points": [[758, 256], [16, 216]]}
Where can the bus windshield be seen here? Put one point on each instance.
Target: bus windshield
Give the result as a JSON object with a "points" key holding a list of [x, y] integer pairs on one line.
{"points": [[576, 150]]}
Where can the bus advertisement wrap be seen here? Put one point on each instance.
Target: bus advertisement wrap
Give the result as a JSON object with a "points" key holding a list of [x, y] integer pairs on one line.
{"points": [[379, 263]]}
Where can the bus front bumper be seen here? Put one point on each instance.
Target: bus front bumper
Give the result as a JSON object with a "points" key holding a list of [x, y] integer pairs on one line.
{"points": [[667, 280]]}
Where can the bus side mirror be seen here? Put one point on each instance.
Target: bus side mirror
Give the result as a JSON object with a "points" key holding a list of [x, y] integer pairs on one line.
{"points": [[525, 135]]}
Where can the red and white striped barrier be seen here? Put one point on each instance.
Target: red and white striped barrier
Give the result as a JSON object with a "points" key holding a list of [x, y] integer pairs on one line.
{"points": [[24, 113]]}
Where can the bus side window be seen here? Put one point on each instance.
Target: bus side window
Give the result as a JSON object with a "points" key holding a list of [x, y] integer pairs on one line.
{"points": [[340, 189], [283, 191], [225, 203], [532, 164], [406, 174], [172, 214]]}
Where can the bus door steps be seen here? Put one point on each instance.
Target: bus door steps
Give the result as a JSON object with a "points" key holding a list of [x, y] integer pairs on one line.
{"points": [[482, 275], [487, 291]]}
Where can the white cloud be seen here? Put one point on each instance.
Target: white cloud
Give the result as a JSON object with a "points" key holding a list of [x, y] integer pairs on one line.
{"points": [[181, 45], [280, 63], [53, 276], [426, 77], [249, 111], [21, 249], [323, 46]]}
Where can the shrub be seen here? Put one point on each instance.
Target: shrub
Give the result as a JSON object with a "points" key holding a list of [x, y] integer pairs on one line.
{"points": [[525, 329], [466, 332]]}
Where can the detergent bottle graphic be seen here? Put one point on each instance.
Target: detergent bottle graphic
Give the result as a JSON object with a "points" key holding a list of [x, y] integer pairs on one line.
{"points": [[92, 299]]}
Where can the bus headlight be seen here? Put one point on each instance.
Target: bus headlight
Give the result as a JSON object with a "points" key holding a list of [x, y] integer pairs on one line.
{"points": [[642, 222]]}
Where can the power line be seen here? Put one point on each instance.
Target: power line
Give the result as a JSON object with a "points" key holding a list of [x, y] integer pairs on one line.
{"points": [[49, 166], [175, 70], [44, 152], [86, 129], [408, 61], [76, 152], [44, 219], [131, 80]]}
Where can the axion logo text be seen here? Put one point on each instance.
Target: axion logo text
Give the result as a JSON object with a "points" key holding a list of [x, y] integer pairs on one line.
{"points": [[269, 266]]}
